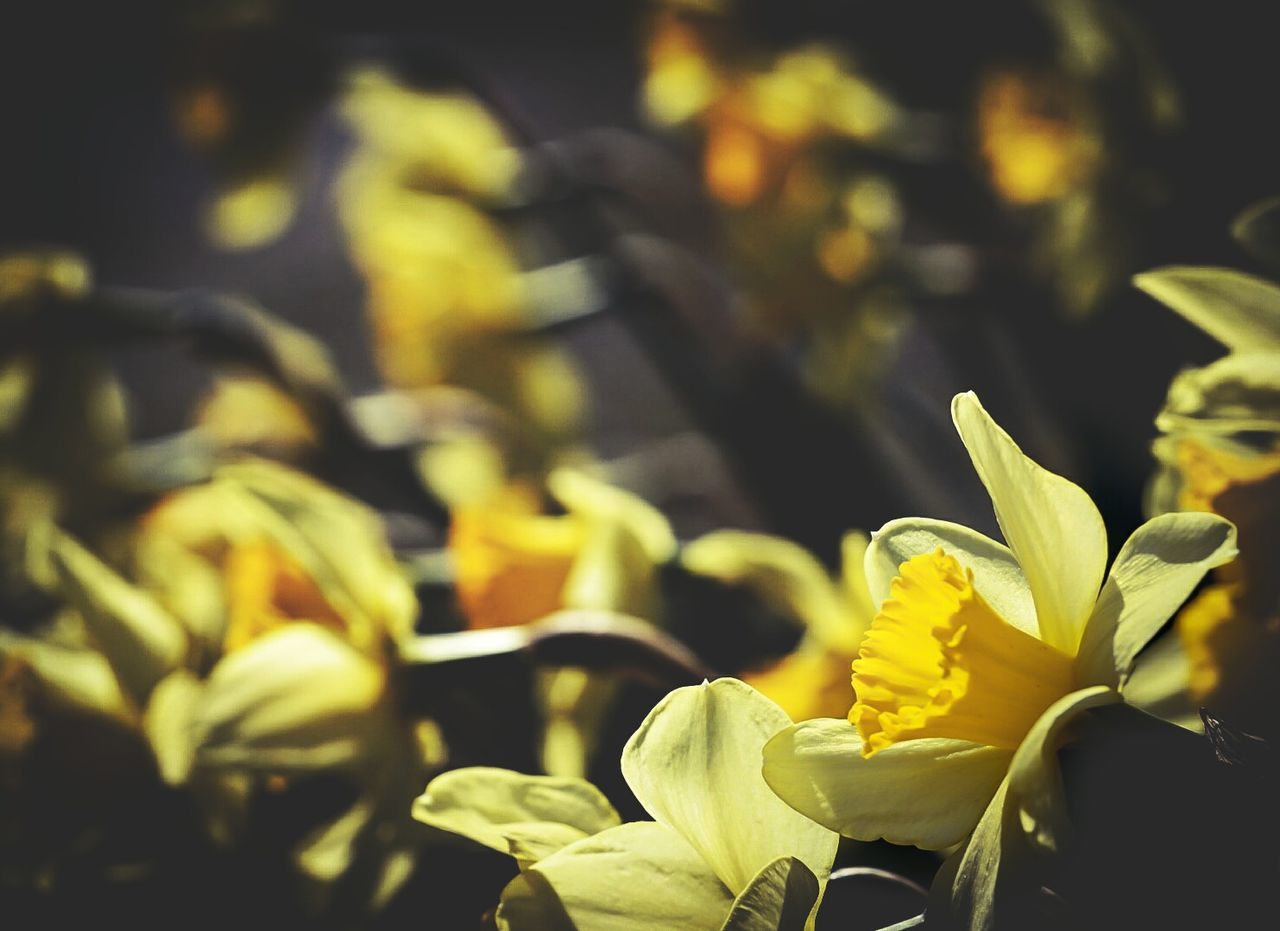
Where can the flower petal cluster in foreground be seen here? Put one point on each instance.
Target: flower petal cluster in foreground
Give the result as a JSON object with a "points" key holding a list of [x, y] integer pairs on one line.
{"points": [[721, 852], [980, 656]]}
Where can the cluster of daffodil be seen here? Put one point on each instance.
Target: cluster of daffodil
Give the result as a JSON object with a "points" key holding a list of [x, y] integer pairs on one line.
{"points": [[449, 298], [976, 661], [809, 228]]}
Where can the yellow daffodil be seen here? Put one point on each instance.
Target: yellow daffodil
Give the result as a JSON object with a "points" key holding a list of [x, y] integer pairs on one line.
{"points": [[979, 656], [812, 681], [254, 639], [721, 853], [513, 565], [282, 588], [449, 300], [1034, 136], [1219, 451]]}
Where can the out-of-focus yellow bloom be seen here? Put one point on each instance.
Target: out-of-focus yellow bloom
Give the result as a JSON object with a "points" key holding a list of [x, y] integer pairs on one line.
{"points": [[980, 655], [807, 235], [510, 562], [812, 681], [448, 301], [515, 565], [243, 412], [1220, 452], [253, 638], [1206, 472], [251, 214], [62, 413], [1033, 136], [711, 859]]}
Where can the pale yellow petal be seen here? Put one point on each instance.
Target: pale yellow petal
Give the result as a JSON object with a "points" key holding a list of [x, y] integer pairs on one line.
{"points": [[297, 698], [492, 806], [1051, 525], [1239, 310], [634, 877], [141, 640], [928, 792], [1035, 784], [1157, 568], [696, 743]]}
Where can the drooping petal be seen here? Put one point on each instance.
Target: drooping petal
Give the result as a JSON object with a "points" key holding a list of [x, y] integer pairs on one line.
{"points": [[491, 806], [1035, 784], [1156, 570], [928, 792], [1160, 683], [779, 898], [1239, 310], [297, 698], [965, 889], [681, 762], [1050, 523], [996, 574], [634, 877], [1026, 813]]}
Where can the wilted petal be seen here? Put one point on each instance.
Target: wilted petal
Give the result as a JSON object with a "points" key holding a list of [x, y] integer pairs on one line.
{"points": [[928, 792], [1051, 524], [996, 574], [298, 697], [1157, 569], [505, 810], [694, 764], [779, 898], [634, 877]]}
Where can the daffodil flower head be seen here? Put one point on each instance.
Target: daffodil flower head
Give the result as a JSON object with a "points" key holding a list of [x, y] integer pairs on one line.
{"points": [[979, 657], [940, 662], [722, 853]]}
